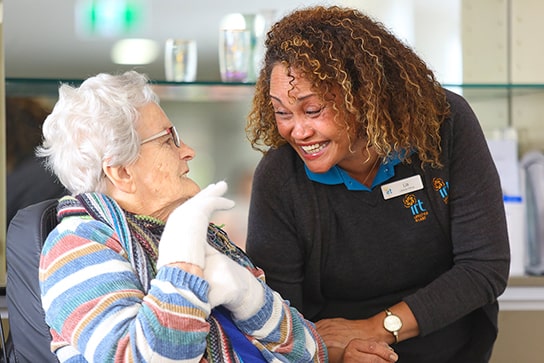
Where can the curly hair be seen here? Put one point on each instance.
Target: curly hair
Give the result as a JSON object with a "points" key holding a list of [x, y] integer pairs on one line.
{"points": [[390, 95]]}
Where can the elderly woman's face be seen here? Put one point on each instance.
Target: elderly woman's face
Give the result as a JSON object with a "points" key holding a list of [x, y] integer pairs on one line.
{"points": [[161, 171]]}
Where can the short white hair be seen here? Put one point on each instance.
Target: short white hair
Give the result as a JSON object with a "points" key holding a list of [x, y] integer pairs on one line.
{"points": [[94, 123]]}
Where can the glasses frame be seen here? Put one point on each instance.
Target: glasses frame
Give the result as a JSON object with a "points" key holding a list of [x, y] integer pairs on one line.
{"points": [[171, 130]]}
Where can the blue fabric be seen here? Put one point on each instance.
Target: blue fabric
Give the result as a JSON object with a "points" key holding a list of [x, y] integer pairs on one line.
{"points": [[246, 351], [337, 175]]}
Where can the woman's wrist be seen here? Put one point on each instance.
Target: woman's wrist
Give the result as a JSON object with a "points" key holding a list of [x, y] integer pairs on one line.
{"points": [[401, 324], [377, 329], [188, 267]]}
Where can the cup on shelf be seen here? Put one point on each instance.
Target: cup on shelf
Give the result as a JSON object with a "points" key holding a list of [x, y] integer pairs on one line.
{"points": [[180, 60], [235, 52]]}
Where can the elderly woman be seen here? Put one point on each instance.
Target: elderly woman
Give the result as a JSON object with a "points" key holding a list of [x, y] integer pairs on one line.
{"points": [[134, 271]]}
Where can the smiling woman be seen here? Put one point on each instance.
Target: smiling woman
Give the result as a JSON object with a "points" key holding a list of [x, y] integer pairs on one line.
{"points": [[345, 215]]}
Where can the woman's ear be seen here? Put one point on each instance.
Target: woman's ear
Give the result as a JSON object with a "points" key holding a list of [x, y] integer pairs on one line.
{"points": [[120, 176]]}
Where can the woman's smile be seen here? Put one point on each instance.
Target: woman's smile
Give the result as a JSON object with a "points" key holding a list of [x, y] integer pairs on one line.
{"points": [[314, 149]]}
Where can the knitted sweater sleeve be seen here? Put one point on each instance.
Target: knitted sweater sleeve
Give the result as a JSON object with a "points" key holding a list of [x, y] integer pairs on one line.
{"points": [[281, 332], [94, 302]]}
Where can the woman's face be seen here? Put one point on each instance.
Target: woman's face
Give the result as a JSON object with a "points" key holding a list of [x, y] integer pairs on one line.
{"points": [[308, 124], [160, 174]]}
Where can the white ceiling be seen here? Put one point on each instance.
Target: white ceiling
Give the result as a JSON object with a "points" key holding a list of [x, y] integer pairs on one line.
{"points": [[40, 38]]}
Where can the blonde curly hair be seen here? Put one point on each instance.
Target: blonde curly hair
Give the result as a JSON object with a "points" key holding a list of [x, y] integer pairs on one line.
{"points": [[389, 94]]}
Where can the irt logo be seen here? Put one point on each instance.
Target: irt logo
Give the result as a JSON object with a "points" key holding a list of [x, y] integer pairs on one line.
{"points": [[416, 207], [442, 188]]}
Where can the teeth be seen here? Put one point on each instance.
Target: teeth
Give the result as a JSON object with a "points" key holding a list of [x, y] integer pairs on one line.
{"points": [[312, 149]]}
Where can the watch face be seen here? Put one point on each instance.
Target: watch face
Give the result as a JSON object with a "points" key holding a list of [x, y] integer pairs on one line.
{"points": [[392, 323]]}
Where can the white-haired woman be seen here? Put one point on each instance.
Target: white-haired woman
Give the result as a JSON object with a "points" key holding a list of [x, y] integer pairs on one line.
{"points": [[135, 271]]}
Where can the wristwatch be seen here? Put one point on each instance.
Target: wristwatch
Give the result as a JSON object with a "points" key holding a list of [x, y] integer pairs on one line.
{"points": [[392, 324]]}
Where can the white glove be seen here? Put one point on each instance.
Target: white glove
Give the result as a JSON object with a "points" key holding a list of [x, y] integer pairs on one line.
{"points": [[186, 230], [232, 285]]}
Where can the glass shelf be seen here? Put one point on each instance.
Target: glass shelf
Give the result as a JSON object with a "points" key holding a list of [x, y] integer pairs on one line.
{"points": [[495, 85], [168, 91], [488, 91], [203, 92], [220, 91]]}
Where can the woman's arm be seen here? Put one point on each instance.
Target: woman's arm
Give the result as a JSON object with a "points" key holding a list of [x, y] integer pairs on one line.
{"points": [[94, 301], [477, 228], [339, 332], [276, 329], [283, 330]]}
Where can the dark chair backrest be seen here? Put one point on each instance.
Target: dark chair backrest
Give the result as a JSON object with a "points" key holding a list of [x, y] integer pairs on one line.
{"points": [[25, 236]]}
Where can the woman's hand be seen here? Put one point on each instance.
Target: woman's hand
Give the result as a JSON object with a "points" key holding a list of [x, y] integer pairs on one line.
{"points": [[339, 332], [363, 351], [354, 341], [232, 285], [185, 233]]}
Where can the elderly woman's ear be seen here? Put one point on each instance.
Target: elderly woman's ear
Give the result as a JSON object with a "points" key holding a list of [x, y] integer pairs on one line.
{"points": [[120, 177]]}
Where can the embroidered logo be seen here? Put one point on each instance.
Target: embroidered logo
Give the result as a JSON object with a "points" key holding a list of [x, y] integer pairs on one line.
{"points": [[416, 207], [442, 188]]}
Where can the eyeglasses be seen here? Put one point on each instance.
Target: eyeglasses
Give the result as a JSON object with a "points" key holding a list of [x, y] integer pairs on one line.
{"points": [[171, 130]]}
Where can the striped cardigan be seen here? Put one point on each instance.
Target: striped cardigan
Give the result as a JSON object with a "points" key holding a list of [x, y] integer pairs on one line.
{"points": [[98, 310]]}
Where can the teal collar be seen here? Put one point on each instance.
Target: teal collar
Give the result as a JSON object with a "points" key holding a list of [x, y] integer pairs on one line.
{"points": [[337, 175]]}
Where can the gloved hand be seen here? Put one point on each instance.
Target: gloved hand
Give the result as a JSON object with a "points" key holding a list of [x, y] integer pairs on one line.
{"points": [[185, 233], [232, 285]]}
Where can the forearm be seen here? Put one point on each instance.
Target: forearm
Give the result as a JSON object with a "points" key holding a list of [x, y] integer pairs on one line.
{"points": [[339, 332], [284, 331], [109, 307]]}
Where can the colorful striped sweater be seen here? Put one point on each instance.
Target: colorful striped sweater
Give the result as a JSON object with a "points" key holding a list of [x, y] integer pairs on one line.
{"points": [[98, 310]]}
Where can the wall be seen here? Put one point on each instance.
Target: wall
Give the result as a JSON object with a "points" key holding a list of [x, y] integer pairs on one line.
{"points": [[501, 47]]}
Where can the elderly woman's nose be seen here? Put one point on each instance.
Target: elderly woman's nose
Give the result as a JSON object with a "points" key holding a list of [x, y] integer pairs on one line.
{"points": [[186, 152]]}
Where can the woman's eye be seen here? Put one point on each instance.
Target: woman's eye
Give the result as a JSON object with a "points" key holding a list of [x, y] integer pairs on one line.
{"points": [[281, 113], [314, 112]]}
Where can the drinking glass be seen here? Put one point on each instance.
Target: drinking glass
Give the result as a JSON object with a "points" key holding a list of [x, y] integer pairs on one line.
{"points": [[180, 60], [235, 54]]}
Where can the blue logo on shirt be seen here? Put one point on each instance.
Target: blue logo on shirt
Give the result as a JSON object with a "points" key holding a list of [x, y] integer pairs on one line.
{"points": [[442, 188], [416, 207]]}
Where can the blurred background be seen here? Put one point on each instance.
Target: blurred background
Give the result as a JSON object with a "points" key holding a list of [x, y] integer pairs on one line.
{"points": [[77, 38], [74, 39]]}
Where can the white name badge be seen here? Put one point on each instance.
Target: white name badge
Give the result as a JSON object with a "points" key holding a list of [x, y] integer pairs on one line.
{"points": [[401, 187]]}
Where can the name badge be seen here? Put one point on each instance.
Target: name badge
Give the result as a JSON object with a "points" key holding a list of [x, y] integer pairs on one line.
{"points": [[401, 187]]}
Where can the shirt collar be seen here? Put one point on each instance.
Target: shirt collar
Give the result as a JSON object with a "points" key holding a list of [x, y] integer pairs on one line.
{"points": [[336, 175]]}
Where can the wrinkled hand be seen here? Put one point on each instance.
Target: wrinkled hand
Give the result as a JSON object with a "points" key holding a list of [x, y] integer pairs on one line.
{"points": [[232, 285], [363, 351], [185, 234]]}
